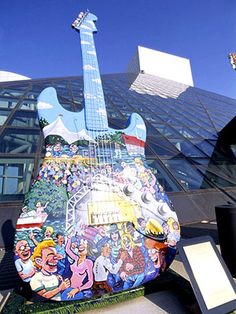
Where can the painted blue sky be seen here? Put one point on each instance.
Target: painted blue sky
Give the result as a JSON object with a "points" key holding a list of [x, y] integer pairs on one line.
{"points": [[36, 38]]}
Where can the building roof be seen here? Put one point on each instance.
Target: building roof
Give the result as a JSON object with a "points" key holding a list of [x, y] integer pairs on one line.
{"points": [[10, 76]]}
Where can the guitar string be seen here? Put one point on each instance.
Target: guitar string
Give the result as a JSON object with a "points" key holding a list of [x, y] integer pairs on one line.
{"points": [[101, 147]]}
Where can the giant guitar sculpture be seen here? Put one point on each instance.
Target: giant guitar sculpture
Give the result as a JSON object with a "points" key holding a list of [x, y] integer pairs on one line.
{"points": [[95, 220]]}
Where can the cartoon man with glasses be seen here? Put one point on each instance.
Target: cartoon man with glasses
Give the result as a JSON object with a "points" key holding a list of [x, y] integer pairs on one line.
{"points": [[24, 265]]}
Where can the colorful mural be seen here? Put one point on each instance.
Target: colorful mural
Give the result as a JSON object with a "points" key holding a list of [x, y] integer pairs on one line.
{"points": [[95, 220]]}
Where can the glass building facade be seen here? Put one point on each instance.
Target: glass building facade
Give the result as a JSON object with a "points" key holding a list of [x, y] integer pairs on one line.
{"points": [[189, 142]]}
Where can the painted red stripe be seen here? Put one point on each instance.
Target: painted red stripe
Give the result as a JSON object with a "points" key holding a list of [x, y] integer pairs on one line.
{"points": [[132, 140]]}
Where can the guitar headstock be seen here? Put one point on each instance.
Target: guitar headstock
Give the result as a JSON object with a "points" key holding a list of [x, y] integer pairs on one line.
{"points": [[85, 21]]}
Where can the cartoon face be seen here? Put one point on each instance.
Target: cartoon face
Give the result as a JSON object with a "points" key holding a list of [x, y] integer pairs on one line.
{"points": [[165, 227], [115, 236], [153, 254], [102, 231], [106, 250], [80, 247], [161, 188], [48, 232], [83, 246], [48, 261], [130, 228], [143, 224], [24, 209], [57, 147], [123, 164], [73, 148], [127, 243], [175, 225], [23, 250], [60, 239]]}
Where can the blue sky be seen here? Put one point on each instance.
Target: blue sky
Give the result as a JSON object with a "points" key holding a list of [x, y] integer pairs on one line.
{"points": [[36, 38]]}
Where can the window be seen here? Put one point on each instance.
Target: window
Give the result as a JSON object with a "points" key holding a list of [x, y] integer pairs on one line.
{"points": [[15, 177]]}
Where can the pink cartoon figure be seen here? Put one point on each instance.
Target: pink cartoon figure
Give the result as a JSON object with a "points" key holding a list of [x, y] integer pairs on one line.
{"points": [[40, 210], [81, 268], [149, 181]]}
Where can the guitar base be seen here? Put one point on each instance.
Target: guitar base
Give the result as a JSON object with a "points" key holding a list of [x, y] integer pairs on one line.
{"points": [[170, 281]]}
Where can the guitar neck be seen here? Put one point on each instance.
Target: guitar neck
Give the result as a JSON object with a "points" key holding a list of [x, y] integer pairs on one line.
{"points": [[95, 109]]}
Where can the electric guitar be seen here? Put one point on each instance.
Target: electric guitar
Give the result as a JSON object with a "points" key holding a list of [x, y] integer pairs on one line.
{"points": [[95, 220]]}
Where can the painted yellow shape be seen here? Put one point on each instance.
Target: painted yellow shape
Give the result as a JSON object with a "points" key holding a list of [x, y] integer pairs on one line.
{"points": [[109, 207]]}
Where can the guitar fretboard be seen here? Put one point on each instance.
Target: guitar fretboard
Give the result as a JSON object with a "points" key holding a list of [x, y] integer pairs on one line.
{"points": [[95, 110]]}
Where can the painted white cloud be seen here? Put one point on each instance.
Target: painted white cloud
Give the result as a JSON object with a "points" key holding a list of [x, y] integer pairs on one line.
{"points": [[90, 22], [87, 33], [141, 126], [83, 42], [89, 96], [44, 105], [88, 67], [85, 27], [91, 53], [97, 80]]}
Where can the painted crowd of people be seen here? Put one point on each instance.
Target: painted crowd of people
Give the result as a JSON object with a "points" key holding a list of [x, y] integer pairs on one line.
{"points": [[91, 262], [64, 167]]}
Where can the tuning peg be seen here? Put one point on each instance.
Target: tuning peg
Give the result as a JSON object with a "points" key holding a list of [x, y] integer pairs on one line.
{"points": [[75, 23], [129, 189], [146, 197]]}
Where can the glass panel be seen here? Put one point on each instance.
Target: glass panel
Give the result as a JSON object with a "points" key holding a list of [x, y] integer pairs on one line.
{"points": [[19, 141], [15, 177], [7, 103], [203, 133], [30, 122], [28, 105], [201, 161], [12, 186], [25, 118], [186, 132], [1, 186], [165, 130], [186, 148], [214, 178], [12, 92], [204, 146], [225, 168], [185, 173], [162, 177], [3, 116], [117, 123], [161, 146], [233, 148], [1, 170]]}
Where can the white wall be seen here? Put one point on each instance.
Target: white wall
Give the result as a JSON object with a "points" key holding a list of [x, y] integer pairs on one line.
{"points": [[163, 65]]}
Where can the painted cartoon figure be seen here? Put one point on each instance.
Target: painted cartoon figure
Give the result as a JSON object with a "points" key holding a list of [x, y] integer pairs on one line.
{"points": [[103, 266], [81, 268], [60, 249], [40, 210], [45, 282], [132, 269], [24, 265]]}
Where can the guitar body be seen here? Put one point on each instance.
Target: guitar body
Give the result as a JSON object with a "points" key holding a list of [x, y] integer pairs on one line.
{"points": [[95, 220]]}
